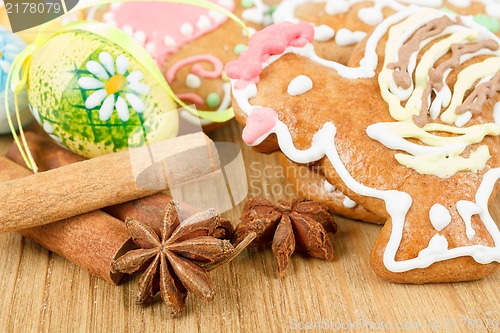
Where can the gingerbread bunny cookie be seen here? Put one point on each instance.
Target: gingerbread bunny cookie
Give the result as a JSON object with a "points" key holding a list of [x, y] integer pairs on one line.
{"points": [[341, 24], [191, 45], [410, 129], [350, 19]]}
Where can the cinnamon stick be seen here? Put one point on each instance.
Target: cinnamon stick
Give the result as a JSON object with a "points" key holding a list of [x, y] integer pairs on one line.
{"points": [[96, 183], [79, 239], [49, 155]]}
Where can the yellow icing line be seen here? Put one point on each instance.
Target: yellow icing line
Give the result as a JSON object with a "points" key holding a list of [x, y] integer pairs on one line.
{"points": [[439, 165], [465, 80], [446, 166], [472, 134], [397, 111]]}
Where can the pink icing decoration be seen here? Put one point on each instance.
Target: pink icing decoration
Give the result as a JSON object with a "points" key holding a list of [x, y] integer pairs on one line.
{"points": [[191, 97], [197, 68], [270, 41], [259, 122], [158, 20]]}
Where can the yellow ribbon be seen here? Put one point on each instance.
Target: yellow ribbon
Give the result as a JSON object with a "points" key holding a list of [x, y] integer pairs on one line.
{"points": [[18, 74]]}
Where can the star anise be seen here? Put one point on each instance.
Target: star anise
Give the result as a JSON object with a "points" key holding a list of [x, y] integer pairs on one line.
{"points": [[177, 258], [298, 223]]}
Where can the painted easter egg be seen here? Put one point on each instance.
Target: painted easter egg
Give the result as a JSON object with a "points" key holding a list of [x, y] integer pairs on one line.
{"points": [[94, 96], [10, 46]]}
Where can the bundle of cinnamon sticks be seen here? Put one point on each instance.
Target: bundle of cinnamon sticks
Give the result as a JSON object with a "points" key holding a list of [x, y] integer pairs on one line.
{"points": [[77, 208]]}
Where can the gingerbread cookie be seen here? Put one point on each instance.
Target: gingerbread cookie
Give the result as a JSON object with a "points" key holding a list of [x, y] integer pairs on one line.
{"points": [[411, 129], [191, 45], [310, 182], [341, 24]]}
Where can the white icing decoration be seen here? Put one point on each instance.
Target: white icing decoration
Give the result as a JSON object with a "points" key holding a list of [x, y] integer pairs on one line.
{"points": [[346, 37], [151, 47], [496, 113], [334, 7], [438, 246], [128, 30], [329, 188], [299, 85], [193, 81], [203, 23], [216, 16], [463, 119], [440, 216], [370, 15], [348, 203], [169, 41], [186, 29], [257, 14], [397, 203], [323, 33], [467, 209], [140, 36]]}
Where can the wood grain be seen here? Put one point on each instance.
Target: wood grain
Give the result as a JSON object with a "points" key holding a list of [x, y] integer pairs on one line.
{"points": [[42, 292]]}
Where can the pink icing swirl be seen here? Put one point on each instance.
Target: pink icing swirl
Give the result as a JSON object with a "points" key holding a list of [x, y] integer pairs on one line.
{"points": [[265, 43], [197, 68]]}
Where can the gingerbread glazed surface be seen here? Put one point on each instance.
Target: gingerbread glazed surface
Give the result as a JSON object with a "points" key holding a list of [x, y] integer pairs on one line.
{"points": [[349, 17], [426, 237]]}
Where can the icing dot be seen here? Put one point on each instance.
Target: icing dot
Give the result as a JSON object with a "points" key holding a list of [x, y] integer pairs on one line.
{"points": [[334, 7], [186, 29], [140, 36], [128, 30], [323, 33], [203, 23], [246, 3], [240, 48], [193, 81], [440, 216], [345, 37], [490, 23], [151, 47], [299, 85], [216, 16], [493, 9], [169, 41], [496, 113], [253, 15], [370, 15], [213, 100], [348, 203]]}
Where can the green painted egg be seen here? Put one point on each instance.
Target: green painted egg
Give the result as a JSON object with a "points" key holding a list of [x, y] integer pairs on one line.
{"points": [[94, 97]]}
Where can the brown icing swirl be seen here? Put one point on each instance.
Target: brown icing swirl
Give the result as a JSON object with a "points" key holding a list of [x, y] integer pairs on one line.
{"points": [[401, 76], [436, 75], [476, 100]]}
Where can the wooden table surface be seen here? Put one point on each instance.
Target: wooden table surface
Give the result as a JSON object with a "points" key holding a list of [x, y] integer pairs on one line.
{"points": [[43, 292]]}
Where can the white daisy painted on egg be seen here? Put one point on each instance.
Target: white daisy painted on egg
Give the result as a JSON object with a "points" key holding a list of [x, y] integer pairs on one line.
{"points": [[115, 88]]}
